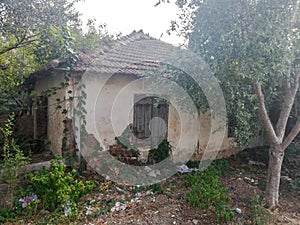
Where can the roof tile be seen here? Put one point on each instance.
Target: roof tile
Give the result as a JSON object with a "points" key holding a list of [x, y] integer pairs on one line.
{"points": [[135, 54]]}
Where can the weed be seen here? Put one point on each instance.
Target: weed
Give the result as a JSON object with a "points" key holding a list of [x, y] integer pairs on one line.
{"points": [[13, 160], [260, 214], [221, 166], [55, 187], [206, 192]]}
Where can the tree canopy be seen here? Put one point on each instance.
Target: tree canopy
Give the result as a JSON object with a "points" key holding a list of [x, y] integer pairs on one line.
{"points": [[253, 48], [245, 41], [34, 32]]}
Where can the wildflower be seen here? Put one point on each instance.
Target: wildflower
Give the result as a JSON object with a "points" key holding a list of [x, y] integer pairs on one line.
{"points": [[26, 200]]}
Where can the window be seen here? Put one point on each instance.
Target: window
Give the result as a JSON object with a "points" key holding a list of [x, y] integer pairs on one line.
{"points": [[150, 120]]}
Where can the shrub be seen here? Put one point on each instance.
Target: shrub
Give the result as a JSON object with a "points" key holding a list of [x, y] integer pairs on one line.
{"points": [[55, 187], [206, 192], [159, 154]]}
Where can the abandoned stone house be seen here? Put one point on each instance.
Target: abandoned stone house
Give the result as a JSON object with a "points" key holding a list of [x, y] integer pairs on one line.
{"points": [[116, 97]]}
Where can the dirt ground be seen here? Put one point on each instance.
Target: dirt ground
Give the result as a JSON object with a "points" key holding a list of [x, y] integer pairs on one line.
{"points": [[243, 181], [115, 204]]}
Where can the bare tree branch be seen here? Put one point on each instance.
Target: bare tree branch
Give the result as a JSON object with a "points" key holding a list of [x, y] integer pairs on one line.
{"points": [[294, 132], [264, 114], [289, 98]]}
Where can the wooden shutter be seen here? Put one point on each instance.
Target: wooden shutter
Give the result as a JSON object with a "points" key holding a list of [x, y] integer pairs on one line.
{"points": [[144, 110]]}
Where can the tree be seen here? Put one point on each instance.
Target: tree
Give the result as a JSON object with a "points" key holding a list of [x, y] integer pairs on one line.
{"points": [[94, 38], [38, 22], [33, 32], [253, 48]]}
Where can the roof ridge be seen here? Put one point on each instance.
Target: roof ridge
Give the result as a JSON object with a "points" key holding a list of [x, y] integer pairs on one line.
{"points": [[134, 36], [125, 40]]}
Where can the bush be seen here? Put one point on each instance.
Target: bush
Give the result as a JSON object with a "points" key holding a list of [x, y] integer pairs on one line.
{"points": [[55, 187], [159, 154], [206, 192]]}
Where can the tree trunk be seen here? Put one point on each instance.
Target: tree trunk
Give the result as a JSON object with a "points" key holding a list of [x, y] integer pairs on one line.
{"points": [[276, 154]]}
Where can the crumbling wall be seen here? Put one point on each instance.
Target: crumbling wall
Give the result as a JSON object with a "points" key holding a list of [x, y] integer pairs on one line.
{"points": [[55, 117]]}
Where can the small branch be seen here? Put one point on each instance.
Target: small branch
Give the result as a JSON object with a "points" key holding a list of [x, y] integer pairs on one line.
{"points": [[289, 98], [263, 113], [294, 132], [18, 45]]}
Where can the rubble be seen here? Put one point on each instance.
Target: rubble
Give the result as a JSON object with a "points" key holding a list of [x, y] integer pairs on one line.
{"points": [[185, 169], [118, 207], [254, 163]]}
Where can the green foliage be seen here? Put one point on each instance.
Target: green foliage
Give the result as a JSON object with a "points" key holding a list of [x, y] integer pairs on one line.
{"points": [[243, 42], [13, 159], [156, 188], [94, 38], [224, 213], [221, 166], [32, 34], [15, 65], [55, 187], [206, 192], [260, 214], [7, 215], [159, 154], [36, 25], [186, 82]]}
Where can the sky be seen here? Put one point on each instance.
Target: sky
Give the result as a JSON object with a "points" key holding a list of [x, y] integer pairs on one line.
{"points": [[127, 15]]}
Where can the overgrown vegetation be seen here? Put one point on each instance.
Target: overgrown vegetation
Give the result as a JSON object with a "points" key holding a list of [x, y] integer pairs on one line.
{"points": [[160, 153], [55, 190], [34, 34], [13, 160], [56, 187], [259, 210], [207, 192], [253, 49]]}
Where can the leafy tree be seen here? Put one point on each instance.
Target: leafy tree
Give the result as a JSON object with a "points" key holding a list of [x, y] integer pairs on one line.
{"points": [[253, 48], [38, 23], [94, 38], [32, 33], [38, 34]]}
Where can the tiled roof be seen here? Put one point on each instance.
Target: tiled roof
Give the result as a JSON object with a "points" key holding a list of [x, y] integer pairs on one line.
{"points": [[134, 54]]}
